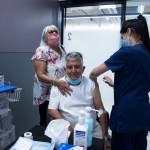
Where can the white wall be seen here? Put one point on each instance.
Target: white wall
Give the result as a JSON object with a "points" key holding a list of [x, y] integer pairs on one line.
{"points": [[96, 45]]}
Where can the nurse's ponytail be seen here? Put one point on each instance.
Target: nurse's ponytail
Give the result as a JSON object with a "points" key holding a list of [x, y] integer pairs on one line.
{"points": [[145, 35]]}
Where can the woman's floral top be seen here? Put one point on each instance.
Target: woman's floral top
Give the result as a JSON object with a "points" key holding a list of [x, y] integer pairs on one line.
{"points": [[55, 69]]}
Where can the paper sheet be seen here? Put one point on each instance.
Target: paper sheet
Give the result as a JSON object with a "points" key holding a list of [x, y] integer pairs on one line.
{"points": [[27, 144]]}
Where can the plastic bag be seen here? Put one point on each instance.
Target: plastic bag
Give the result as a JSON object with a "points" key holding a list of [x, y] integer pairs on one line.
{"points": [[57, 130]]}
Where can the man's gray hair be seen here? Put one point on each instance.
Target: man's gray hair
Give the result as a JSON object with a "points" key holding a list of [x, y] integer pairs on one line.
{"points": [[74, 56]]}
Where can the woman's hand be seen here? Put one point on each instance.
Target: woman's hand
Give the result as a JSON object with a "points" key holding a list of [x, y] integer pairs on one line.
{"points": [[108, 80], [63, 87]]}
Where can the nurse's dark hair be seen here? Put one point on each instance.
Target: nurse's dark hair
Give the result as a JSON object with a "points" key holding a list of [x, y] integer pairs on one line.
{"points": [[139, 28]]}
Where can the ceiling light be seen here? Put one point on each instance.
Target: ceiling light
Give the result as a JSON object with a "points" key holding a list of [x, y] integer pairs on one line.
{"points": [[69, 10], [107, 6], [91, 27], [141, 9], [107, 18]]}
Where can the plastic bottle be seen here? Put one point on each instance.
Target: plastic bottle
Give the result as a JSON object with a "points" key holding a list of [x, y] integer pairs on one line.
{"points": [[89, 122], [80, 132]]}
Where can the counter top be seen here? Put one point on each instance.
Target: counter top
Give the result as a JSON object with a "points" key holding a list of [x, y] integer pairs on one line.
{"points": [[38, 135]]}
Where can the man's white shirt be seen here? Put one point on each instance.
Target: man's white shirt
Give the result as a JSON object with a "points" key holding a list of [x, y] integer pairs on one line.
{"points": [[70, 106]]}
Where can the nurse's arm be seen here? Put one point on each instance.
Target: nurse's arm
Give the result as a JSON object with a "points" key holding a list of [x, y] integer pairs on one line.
{"points": [[98, 71]]}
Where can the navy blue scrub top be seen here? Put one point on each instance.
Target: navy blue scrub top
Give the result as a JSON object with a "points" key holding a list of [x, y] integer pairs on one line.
{"points": [[131, 109]]}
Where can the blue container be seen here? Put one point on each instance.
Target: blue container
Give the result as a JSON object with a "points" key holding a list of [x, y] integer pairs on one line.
{"points": [[89, 122]]}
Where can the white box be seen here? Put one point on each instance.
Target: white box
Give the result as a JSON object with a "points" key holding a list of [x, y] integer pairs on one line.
{"points": [[4, 100], [5, 120], [1, 80]]}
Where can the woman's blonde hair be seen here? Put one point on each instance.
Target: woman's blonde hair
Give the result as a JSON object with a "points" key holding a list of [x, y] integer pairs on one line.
{"points": [[47, 29]]}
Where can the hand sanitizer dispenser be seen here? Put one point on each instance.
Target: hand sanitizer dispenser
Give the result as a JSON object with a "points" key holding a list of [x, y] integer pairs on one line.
{"points": [[80, 132], [89, 122]]}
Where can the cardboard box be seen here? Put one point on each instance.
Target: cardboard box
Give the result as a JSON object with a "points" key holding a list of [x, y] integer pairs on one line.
{"points": [[7, 137], [64, 146], [5, 120], [4, 101]]}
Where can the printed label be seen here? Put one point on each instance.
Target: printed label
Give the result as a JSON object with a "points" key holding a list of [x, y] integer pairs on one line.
{"points": [[80, 138]]}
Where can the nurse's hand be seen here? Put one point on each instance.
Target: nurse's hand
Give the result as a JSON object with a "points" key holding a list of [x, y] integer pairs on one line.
{"points": [[70, 128], [63, 87], [108, 80]]}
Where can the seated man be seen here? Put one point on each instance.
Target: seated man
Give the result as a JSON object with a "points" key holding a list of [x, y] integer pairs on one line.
{"points": [[85, 93]]}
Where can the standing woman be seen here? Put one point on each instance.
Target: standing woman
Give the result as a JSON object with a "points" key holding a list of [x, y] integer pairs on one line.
{"points": [[130, 115], [49, 65]]}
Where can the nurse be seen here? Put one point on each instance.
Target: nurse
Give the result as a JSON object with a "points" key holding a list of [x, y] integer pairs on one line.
{"points": [[129, 119]]}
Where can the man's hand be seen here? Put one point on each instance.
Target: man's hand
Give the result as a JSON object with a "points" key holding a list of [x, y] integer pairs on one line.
{"points": [[107, 144], [70, 128]]}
